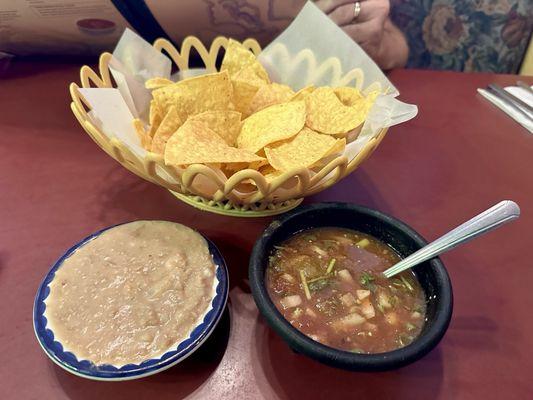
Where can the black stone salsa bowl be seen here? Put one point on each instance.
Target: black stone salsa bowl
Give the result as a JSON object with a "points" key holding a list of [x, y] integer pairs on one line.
{"points": [[431, 274]]}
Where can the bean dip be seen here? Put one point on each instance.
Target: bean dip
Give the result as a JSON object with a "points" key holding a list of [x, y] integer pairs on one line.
{"points": [[132, 293]]}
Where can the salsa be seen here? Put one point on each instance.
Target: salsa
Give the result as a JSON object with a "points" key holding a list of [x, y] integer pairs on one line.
{"points": [[327, 283]]}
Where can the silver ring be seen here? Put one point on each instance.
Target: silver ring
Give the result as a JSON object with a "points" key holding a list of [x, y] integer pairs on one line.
{"points": [[356, 10]]}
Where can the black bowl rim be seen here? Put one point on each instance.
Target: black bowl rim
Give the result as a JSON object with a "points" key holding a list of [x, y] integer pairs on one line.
{"points": [[339, 358]]}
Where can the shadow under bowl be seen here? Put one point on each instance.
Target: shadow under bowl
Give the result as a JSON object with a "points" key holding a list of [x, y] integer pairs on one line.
{"points": [[431, 274]]}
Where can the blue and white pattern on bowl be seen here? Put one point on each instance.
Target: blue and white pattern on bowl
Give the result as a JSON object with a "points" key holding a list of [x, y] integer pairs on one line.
{"points": [[87, 369]]}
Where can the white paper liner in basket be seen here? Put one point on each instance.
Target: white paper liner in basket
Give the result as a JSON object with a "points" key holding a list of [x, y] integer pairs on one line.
{"points": [[312, 50]]}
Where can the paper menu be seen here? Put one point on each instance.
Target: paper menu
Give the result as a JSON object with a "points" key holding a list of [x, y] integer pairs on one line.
{"points": [[74, 27]]}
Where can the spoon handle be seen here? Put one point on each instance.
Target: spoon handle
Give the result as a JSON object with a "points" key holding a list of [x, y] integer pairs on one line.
{"points": [[503, 212]]}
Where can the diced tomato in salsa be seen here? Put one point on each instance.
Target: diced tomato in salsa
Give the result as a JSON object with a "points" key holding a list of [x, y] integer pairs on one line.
{"points": [[327, 283]]}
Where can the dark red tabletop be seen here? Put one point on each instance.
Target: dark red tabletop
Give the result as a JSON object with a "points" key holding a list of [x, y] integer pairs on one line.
{"points": [[458, 157]]}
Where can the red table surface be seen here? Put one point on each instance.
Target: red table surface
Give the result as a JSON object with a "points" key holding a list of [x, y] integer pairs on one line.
{"points": [[458, 157]]}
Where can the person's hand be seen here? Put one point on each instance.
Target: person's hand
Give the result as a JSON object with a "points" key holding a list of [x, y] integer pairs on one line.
{"points": [[371, 28]]}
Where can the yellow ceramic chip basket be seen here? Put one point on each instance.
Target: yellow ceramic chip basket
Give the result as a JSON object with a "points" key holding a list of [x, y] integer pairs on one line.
{"points": [[246, 193]]}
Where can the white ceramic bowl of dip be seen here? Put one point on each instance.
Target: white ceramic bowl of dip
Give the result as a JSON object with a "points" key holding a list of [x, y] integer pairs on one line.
{"points": [[107, 372]]}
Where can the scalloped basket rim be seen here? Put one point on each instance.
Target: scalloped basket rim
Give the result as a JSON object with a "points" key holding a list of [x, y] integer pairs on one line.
{"points": [[233, 200]]}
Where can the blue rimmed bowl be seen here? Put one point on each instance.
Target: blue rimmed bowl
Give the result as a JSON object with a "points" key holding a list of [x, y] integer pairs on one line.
{"points": [[86, 369]]}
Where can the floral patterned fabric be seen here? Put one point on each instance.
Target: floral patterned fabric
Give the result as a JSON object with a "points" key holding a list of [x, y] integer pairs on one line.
{"points": [[465, 35]]}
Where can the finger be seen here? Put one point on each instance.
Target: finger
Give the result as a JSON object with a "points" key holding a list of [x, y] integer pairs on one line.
{"points": [[371, 9], [374, 9], [328, 6], [364, 32], [345, 14]]}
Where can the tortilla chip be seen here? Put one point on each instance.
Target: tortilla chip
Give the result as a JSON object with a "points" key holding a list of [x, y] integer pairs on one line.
{"points": [[271, 175], [302, 93], [368, 102], [169, 125], [238, 57], [336, 151], [272, 124], [270, 94], [226, 124], [304, 150], [326, 114], [155, 117], [362, 107], [338, 148], [195, 143], [245, 85], [348, 96], [144, 137], [156, 83], [230, 169], [211, 92]]}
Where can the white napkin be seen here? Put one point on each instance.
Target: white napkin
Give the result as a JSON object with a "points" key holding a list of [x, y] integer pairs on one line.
{"points": [[516, 91]]}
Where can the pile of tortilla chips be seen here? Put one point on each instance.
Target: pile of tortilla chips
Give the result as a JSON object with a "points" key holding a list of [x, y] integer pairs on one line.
{"points": [[237, 118]]}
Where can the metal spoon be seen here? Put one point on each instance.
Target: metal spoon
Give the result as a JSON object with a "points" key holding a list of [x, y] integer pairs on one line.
{"points": [[503, 212]]}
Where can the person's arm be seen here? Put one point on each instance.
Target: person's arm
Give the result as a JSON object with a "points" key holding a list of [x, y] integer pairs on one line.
{"points": [[372, 29], [265, 19]]}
